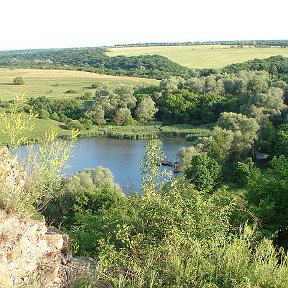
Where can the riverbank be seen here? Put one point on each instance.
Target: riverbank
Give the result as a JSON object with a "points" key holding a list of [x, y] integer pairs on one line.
{"points": [[131, 132], [138, 132]]}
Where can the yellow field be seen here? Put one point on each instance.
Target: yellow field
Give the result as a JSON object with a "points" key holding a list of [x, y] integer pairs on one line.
{"points": [[55, 83], [203, 56]]}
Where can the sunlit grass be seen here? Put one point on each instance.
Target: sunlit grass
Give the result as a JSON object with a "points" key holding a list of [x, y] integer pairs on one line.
{"points": [[40, 127], [202, 56], [56, 83]]}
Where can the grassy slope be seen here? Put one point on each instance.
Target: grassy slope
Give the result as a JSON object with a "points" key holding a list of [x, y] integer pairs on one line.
{"points": [[54, 83], [41, 126], [202, 56]]}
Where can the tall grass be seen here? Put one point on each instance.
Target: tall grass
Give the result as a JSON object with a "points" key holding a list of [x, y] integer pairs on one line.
{"points": [[137, 132]]}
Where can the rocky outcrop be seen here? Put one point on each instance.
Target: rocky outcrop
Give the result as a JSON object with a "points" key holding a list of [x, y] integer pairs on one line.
{"points": [[32, 255], [13, 180]]}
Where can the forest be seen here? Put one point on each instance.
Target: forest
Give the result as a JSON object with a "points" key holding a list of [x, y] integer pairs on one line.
{"points": [[223, 222]]}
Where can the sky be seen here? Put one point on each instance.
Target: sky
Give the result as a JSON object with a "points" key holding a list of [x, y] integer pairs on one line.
{"points": [[31, 24]]}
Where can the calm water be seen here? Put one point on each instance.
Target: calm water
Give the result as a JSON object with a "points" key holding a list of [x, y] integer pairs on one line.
{"points": [[122, 157]]}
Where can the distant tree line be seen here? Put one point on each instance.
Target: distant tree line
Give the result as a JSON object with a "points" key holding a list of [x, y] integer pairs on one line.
{"points": [[275, 66], [94, 60], [263, 43], [148, 66]]}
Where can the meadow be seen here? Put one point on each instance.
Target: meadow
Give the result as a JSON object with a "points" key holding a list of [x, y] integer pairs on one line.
{"points": [[57, 84], [37, 134], [202, 56]]}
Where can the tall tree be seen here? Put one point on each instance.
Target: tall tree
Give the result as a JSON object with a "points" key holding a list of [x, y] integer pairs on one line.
{"points": [[146, 110], [244, 132], [203, 172], [123, 116]]}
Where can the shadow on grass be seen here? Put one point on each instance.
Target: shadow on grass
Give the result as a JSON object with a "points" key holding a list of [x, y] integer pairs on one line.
{"points": [[63, 126]]}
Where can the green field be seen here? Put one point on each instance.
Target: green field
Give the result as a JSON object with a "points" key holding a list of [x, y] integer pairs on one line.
{"points": [[40, 127], [56, 83], [203, 56]]}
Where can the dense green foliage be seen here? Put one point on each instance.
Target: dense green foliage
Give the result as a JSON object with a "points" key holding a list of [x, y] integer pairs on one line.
{"points": [[196, 100], [173, 237], [267, 192], [275, 65], [203, 172], [18, 80]]}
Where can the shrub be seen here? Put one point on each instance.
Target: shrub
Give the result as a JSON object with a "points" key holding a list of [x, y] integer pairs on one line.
{"points": [[204, 171], [243, 171], [44, 114], [181, 238], [18, 80], [71, 91], [15, 193]]}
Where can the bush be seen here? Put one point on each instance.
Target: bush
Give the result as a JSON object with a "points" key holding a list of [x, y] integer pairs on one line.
{"points": [[181, 238], [44, 114], [244, 171], [54, 116], [15, 194], [204, 171], [88, 209], [18, 80], [71, 91]]}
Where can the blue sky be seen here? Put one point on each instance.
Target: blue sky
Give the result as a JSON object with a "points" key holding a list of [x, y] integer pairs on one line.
{"points": [[62, 23]]}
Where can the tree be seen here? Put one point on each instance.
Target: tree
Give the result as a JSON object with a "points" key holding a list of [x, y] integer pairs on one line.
{"points": [[152, 179], [265, 104], [203, 172], [89, 179], [18, 80], [97, 115], [185, 155], [16, 123], [218, 145], [244, 171], [146, 110], [177, 107], [89, 208], [124, 97], [268, 197], [195, 85], [244, 132], [44, 114], [123, 117], [171, 84], [258, 84]]}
